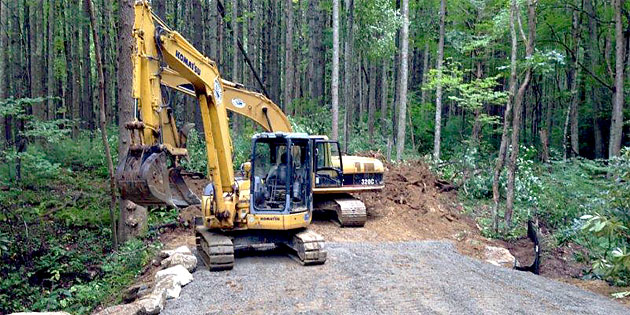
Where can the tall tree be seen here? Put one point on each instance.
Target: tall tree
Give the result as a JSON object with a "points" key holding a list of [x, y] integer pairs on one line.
{"points": [[316, 79], [404, 57], [437, 141], [288, 59], [4, 56], [50, 56], [594, 88], [507, 118], [133, 218], [616, 125], [36, 66], [159, 8], [335, 72], [518, 108], [384, 94], [102, 119], [348, 73]]}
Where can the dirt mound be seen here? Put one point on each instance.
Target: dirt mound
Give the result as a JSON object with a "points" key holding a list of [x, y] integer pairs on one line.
{"points": [[414, 205]]}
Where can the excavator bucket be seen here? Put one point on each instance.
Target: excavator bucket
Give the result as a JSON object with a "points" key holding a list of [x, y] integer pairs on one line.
{"points": [[145, 179]]}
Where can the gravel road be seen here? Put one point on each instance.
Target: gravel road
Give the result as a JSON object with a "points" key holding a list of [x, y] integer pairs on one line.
{"points": [[382, 278]]}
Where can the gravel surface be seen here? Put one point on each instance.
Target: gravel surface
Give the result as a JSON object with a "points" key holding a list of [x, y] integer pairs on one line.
{"points": [[387, 278]]}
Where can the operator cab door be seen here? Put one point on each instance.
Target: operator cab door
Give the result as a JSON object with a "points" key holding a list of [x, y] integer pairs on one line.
{"points": [[328, 166], [281, 176]]}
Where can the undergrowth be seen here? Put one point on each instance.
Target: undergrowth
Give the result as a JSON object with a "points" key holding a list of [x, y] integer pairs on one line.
{"points": [[55, 250]]}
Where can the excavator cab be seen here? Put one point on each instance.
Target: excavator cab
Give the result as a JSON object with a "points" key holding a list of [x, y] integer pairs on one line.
{"points": [[327, 174], [281, 173]]}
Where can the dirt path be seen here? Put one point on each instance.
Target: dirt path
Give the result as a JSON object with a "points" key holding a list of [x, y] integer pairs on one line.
{"points": [[416, 277], [389, 266]]}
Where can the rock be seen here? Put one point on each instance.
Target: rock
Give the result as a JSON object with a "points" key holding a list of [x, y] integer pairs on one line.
{"points": [[123, 309], [180, 273], [499, 256], [169, 287], [181, 249], [152, 303], [131, 294], [169, 252], [187, 260]]}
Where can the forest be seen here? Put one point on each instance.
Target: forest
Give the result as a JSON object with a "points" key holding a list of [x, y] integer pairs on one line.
{"points": [[521, 105]]}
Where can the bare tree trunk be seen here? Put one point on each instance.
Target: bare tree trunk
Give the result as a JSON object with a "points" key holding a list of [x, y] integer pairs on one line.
{"points": [[74, 75], [384, 95], [402, 107], [507, 118], [289, 62], [317, 55], [4, 56], [133, 218], [348, 71], [103, 122], [335, 71], [372, 100], [235, 63], [36, 71], [50, 80], [575, 97], [616, 125], [518, 109], [438, 93], [87, 105], [425, 71], [594, 89], [159, 8]]}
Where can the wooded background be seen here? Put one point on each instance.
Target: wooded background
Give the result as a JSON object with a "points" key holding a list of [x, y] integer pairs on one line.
{"points": [[576, 65]]}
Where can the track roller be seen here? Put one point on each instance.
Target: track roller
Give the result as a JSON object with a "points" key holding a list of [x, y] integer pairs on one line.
{"points": [[309, 247], [216, 250]]}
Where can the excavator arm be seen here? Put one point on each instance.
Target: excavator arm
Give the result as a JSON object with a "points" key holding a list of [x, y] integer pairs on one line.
{"points": [[143, 176], [239, 100]]}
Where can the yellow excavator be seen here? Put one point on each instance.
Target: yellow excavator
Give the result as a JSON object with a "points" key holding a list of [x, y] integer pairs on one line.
{"points": [[271, 202], [336, 176]]}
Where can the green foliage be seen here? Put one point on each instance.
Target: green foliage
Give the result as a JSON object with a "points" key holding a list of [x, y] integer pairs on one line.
{"points": [[377, 24], [55, 249]]}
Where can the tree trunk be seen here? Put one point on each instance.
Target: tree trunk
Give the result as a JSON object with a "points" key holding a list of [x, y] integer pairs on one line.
{"points": [[575, 97], [425, 71], [402, 105], [438, 92], [518, 108], [4, 57], [507, 118], [316, 82], [616, 124], [50, 80], [103, 122], [372, 100], [87, 106], [35, 53], [348, 71], [335, 71], [75, 70], [384, 95], [108, 57], [133, 218], [288, 77], [159, 8]]}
